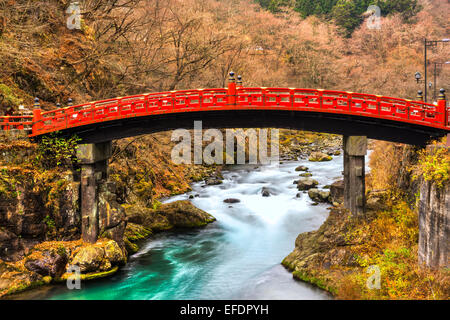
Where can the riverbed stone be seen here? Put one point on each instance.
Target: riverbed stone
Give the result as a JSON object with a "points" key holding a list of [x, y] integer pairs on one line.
{"points": [[231, 200], [89, 258], [184, 214], [48, 263], [265, 192], [337, 191], [318, 195], [319, 157], [306, 184], [213, 181], [305, 174]]}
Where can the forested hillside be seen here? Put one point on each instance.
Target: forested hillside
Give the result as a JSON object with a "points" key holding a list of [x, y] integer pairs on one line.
{"points": [[348, 15], [127, 47]]}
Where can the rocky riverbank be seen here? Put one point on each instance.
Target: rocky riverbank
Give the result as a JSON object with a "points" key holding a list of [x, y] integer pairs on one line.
{"points": [[40, 220], [343, 253], [48, 261]]}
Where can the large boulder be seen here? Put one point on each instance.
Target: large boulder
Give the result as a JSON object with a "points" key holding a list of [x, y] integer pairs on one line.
{"points": [[47, 263], [337, 192], [319, 156], [146, 217], [89, 258], [113, 253], [98, 257], [184, 214], [318, 195], [306, 184]]}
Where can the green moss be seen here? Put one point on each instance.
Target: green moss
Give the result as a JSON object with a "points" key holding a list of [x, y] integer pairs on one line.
{"points": [[91, 276], [25, 285], [156, 204], [328, 158], [130, 246], [319, 282], [135, 232], [97, 275], [288, 265], [9, 95]]}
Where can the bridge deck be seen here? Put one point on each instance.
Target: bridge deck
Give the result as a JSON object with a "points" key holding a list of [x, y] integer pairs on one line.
{"points": [[400, 111]]}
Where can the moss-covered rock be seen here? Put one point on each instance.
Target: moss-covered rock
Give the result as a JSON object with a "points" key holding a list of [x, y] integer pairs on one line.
{"points": [[319, 195], [306, 184], [135, 232], [319, 157], [183, 214], [143, 221], [89, 258]]}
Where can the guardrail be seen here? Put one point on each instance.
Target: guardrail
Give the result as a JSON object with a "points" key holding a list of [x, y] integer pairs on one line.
{"points": [[232, 98], [16, 122]]}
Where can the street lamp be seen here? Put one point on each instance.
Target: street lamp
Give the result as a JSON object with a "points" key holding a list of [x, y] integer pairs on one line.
{"points": [[437, 65], [418, 76], [429, 43]]}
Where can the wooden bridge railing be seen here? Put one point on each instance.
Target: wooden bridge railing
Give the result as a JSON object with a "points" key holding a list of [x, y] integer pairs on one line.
{"points": [[232, 98]]}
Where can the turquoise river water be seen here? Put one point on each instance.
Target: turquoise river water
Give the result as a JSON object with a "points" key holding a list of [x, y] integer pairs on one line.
{"points": [[236, 257]]}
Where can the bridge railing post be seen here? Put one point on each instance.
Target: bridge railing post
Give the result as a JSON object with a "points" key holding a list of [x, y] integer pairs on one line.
{"points": [[37, 117], [239, 82], [6, 122], [442, 107], [419, 95], [232, 89], [320, 97]]}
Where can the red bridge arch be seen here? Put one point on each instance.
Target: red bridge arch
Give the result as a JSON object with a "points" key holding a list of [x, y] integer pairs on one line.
{"points": [[379, 117]]}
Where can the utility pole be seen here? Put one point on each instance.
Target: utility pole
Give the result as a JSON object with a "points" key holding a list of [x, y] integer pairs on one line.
{"points": [[429, 43]]}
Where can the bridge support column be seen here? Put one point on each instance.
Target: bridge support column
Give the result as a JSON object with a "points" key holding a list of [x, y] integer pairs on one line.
{"points": [[355, 149], [94, 161]]}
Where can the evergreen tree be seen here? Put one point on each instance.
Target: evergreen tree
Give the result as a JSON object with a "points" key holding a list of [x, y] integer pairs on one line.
{"points": [[346, 15]]}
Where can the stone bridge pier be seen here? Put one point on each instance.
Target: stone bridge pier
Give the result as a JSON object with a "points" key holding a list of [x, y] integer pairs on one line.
{"points": [[355, 150], [94, 163]]}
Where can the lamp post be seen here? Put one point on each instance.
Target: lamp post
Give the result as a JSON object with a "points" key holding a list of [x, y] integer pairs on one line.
{"points": [[429, 43], [437, 65]]}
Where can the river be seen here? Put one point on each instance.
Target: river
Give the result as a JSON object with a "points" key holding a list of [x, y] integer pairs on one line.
{"points": [[236, 257]]}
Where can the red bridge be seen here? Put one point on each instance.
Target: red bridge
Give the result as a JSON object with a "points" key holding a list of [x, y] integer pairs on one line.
{"points": [[354, 115], [378, 117]]}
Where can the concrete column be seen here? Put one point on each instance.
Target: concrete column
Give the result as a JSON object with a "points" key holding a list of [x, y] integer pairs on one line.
{"points": [[89, 200], [94, 160], [355, 149]]}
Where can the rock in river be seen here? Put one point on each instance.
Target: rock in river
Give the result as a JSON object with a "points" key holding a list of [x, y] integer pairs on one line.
{"points": [[306, 183], [231, 200], [337, 191], [305, 174], [319, 156], [212, 181], [184, 214], [318, 195]]}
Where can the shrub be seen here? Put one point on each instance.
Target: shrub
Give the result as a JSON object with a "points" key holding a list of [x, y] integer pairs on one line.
{"points": [[55, 151], [433, 165]]}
